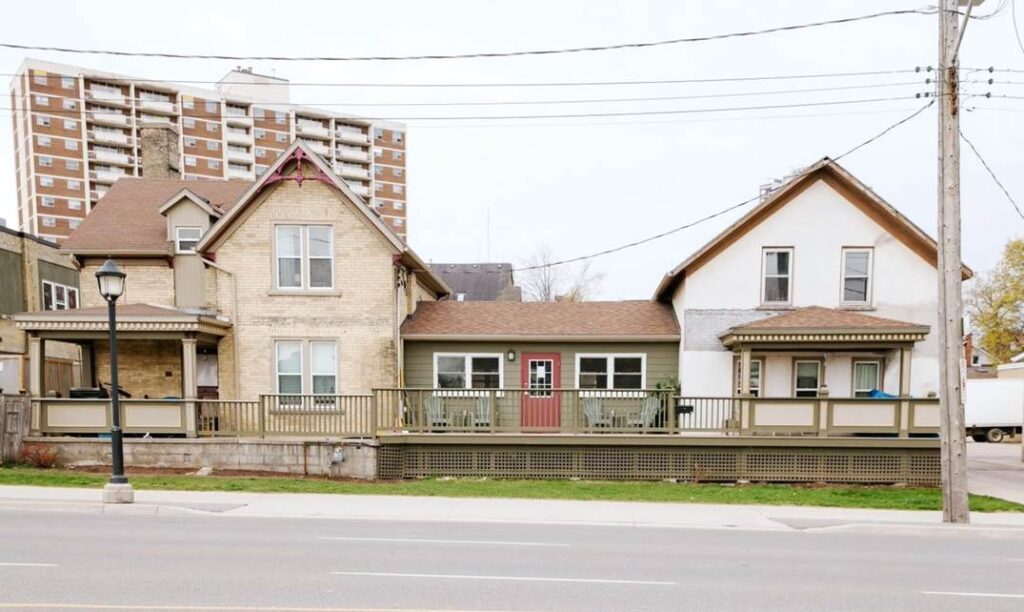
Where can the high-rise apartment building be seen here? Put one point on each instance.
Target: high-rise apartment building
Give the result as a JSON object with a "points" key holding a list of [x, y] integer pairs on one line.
{"points": [[77, 130]]}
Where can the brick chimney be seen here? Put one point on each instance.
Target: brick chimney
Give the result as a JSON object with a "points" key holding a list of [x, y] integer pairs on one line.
{"points": [[159, 151]]}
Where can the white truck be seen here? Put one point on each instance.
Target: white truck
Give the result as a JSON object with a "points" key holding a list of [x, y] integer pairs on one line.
{"points": [[993, 408]]}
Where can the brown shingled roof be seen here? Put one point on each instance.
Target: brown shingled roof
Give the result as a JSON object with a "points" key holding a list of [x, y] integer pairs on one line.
{"points": [[819, 318], [128, 219], [545, 320]]}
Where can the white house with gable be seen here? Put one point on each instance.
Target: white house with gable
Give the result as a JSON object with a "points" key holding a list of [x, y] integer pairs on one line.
{"points": [[823, 288]]}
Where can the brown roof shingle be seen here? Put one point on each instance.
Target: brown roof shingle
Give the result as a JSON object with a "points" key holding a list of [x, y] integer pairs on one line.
{"points": [[817, 317], [128, 217], [585, 320]]}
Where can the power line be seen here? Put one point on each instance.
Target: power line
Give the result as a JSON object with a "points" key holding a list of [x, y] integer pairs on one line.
{"points": [[688, 111], [1016, 29], [719, 213], [740, 94], [526, 84], [492, 54], [991, 173]]}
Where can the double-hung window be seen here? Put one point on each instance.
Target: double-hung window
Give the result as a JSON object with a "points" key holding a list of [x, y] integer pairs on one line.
{"points": [[186, 239], [857, 275], [467, 371], [611, 372], [59, 297], [756, 369], [867, 376], [777, 276], [289, 366], [806, 378], [307, 367], [304, 257]]}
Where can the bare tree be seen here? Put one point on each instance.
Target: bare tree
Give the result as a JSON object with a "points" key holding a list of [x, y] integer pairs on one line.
{"points": [[546, 282]]}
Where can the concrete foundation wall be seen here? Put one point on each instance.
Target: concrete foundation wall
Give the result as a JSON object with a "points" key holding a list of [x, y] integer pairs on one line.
{"points": [[337, 459]]}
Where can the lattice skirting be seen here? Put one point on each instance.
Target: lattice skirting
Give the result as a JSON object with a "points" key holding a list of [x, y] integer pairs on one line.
{"points": [[839, 465]]}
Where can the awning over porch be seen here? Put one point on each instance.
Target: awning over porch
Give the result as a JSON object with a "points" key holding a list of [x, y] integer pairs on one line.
{"points": [[144, 318], [819, 326]]}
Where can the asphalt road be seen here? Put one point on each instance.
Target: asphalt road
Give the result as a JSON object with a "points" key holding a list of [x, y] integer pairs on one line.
{"points": [[208, 562]]}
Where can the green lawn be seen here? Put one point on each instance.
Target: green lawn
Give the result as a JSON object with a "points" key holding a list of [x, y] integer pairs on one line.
{"points": [[893, 498]]}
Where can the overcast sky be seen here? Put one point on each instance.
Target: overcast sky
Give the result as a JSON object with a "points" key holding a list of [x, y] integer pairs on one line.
{"points": [[584, 185]]}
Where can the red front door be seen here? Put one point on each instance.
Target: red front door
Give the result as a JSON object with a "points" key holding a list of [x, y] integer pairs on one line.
{"points": [[542, 405]]}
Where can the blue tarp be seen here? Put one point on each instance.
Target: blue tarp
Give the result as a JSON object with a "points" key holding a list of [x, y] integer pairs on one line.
{"points": [[875, 393]]}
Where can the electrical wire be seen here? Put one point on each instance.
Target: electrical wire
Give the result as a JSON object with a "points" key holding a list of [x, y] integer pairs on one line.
{"points": [[688, 111], [738, 79], [1016, 28], [719, 213], [991, 173], [493, 54]]}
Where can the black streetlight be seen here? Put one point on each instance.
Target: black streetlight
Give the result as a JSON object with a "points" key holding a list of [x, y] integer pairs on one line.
{"points": [[111, 282]]}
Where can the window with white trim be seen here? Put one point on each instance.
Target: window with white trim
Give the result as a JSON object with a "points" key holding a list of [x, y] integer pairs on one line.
{"points": [[867, 377], [74, 185], [42, 120], [213, 164], [304, 257], [45, 161], [71, 145], [69, 104], [39, 78], [323, 367], [42, 100], [857, 275], [211, 106], [279, 117], [72, 164], [45, 181], [288, 362], [59, 297], [75, 204], [49, 222], [186, 239], [67, 82], [190, 161], [611, 371], [468, 371], [70, 124], [188, 122], [777, 273], [188, 102], [49, 201], [44, 141], [756, 372], [806, 378]]}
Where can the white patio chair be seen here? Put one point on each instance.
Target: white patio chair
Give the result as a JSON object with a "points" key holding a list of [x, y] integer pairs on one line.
{"points": [[482, 414], [434, 409], [648, 413], [593, 413]]}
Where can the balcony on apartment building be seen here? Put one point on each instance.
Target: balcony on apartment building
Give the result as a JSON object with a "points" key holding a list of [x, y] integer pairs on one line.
{"points": [[110, 156], [146, 118], [240, 154], [353, 153], [158, 105], [109, 117], [106, 93], [115, 136], [312, 128], [237, 135], [360, 188], [239, 171], [318, 147], [352, 135], [352, 171], [237, 115], [107, 175]]}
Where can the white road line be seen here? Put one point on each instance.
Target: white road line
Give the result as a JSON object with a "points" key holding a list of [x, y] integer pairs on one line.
{"points": [[963, 594], [12, 564], [426, 541], [513, 578]]}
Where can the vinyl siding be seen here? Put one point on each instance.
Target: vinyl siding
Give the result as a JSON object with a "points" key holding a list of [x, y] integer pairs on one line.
{"points": [[662, 358]]}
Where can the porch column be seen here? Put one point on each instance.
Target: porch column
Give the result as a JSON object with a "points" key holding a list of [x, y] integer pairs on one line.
{"points": [[743, 417], [36, 378], [189, 389], [905, 354]]}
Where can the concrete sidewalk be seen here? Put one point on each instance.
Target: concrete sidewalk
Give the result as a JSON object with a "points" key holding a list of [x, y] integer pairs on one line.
{"points": [[443, 509], [996, 470]]}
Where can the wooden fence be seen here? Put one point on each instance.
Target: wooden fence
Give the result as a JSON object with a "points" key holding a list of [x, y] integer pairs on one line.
{"points": [[15, 417]]}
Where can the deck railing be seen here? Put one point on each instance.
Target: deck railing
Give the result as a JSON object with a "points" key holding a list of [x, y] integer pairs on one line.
{"points": [[495, 411], [288, 416]]}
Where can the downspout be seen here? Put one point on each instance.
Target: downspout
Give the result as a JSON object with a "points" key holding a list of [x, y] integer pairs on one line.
{"points": [[236, 329]]}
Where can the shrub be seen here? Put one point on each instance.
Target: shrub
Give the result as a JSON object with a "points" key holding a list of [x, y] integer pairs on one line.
{"points": [[40, 455]]}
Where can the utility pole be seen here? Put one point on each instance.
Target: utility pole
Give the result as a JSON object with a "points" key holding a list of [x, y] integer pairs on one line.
{"points": [[953, 443]]}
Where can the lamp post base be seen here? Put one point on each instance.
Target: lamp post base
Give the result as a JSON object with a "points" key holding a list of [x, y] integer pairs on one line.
{"points": [[118, 493]]}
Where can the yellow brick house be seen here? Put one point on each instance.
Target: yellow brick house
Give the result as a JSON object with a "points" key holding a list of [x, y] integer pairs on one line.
{"points": [[287, 286]]}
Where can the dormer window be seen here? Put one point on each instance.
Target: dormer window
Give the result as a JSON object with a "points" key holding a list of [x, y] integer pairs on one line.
{"points": [[186, 239], [777, 273]]}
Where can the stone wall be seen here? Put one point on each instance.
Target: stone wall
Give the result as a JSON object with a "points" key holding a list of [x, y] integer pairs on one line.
{"points": [[338, 458]]}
